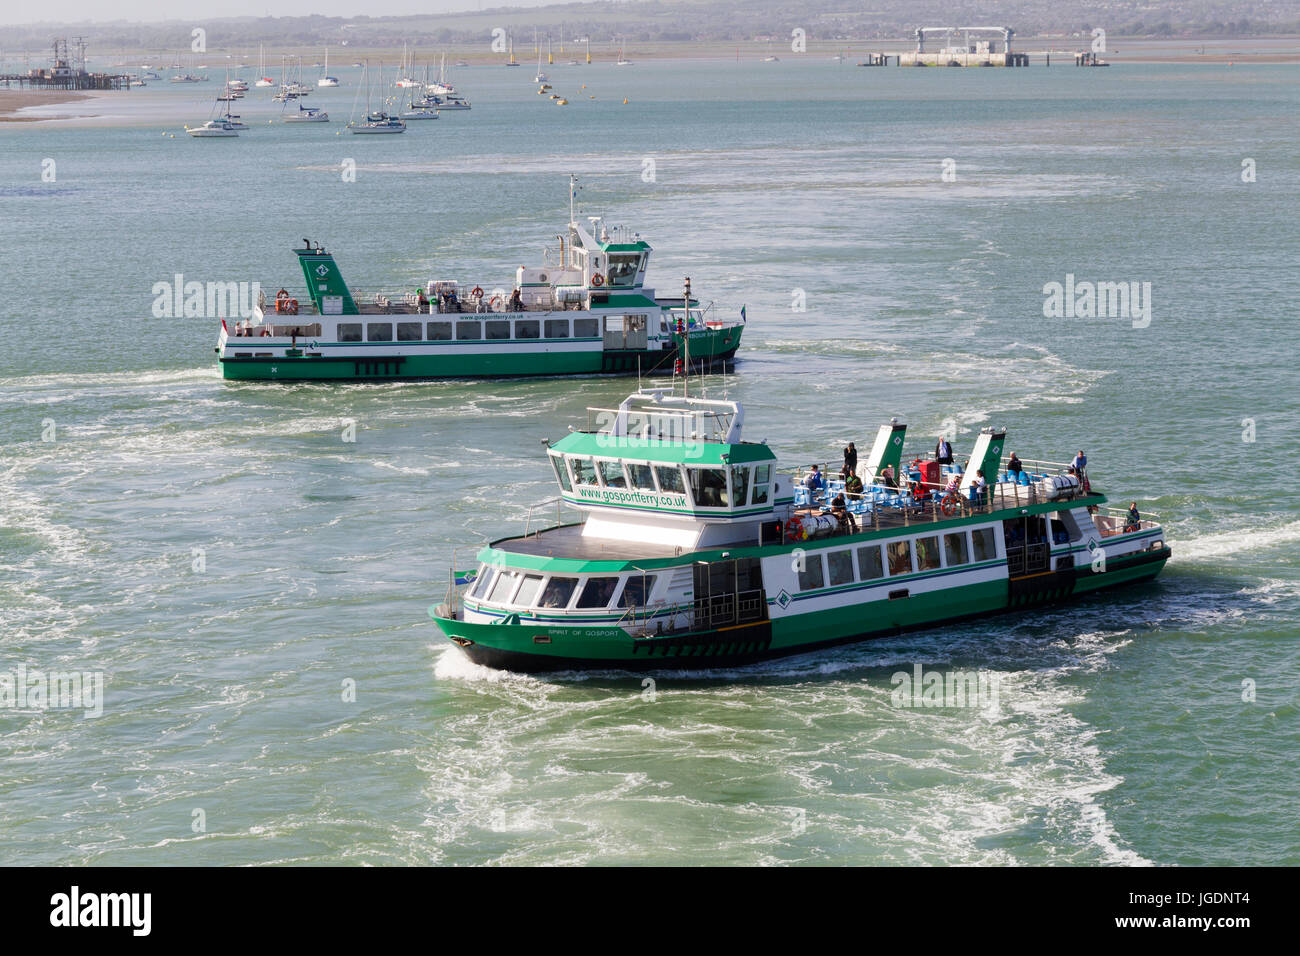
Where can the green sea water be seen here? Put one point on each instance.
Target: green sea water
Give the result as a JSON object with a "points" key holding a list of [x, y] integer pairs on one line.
{"points": [[234, 568]]}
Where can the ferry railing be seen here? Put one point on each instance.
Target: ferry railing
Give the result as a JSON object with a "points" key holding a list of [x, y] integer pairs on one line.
{"points": [[536, 506], [1113, 521]]}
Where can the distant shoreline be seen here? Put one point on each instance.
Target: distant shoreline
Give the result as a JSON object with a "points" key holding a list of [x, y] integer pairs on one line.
{"points": [[12, 101]]}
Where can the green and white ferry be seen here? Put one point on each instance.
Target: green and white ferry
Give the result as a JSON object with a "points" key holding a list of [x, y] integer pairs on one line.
{"points": [[697, 551], [586, 310]]}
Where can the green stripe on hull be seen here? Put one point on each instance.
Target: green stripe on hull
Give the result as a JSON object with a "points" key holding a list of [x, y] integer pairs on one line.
{"points": [[414, 366]]}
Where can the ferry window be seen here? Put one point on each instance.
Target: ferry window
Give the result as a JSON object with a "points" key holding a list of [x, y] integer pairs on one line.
{"points": [[558, 591], [708, 487], [557, 328], [596, 592], [623, 269], [584, 472], [612, 472], [762, 475], [498, 330], [670, 479], [501, 588], [637, 591], [985, 544], [528, 329], [586, 328], [954, 549], [379, 331], [561, 474], [900, 557], [869, 564], [439, 331], [480, 587], [810, 577], [740, 484], [349, 331], [467, 330], [528, 590], [410, 331], [927, 553], [840, 564], [642, 479]]}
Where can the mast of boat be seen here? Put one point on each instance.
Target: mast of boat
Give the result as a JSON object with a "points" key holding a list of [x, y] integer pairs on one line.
{"points": [[550, 57], [686, 344]]}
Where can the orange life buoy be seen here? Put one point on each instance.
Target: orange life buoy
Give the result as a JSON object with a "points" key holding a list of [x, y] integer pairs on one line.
{"points": [[950, 505], [794, 529], [597, 281], [477, 292]]}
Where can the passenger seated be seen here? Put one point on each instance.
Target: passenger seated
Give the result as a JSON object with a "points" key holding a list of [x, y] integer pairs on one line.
{"points": [[847, 523], [1014, 467], [1133, 522], [853, 485], [814, 483], [887, 478]]}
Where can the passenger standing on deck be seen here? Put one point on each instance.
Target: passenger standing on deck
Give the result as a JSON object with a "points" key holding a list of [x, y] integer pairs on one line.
{"points": [[853, 485], [978, 488], [850, 461], [1134, 520], [943, 452], [1080, 463]]}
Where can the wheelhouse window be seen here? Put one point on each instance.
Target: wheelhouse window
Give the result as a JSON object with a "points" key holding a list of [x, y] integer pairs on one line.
{"points": [[561, 473], [528, 590], [869, 563], [708, 487], [612, 473], [670, 479], [840, 564], [439, 331], [379, 331], [597, 592], [557, 593], [762, 475], [900, 557], [740, 483], [623, 268], [584, 471], [642, 477], [637, 591], [810, 575], [483, 583], [501, 588], [349, 331], [557, 328], [984, 544], [954, 549]]}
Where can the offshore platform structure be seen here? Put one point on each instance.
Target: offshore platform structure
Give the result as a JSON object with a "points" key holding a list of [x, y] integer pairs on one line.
{"points": [[67, 72], [978, 46]]}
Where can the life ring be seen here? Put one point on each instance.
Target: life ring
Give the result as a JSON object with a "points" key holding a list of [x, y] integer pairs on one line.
{"points": [[477, 292], [493, 301], [794, 529], [950, 505], [282, 294], [597, 281]]}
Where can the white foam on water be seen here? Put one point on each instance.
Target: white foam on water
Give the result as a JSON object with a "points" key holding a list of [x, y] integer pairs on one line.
{"points": [[1253, 539]]}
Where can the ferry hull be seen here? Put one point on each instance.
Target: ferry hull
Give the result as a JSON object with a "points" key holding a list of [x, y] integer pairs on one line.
{"points": [[707, 349], [529, 648]]}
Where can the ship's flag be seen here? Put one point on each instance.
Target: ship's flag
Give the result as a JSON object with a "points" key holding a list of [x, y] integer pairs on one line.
{"points": [[742, 314], [466, 577], [226, 330]]}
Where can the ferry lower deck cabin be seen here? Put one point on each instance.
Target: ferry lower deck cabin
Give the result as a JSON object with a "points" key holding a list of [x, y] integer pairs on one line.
{"points": [[696, 549]]}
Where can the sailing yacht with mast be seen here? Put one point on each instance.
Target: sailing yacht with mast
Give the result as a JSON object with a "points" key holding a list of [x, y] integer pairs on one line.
{"points": [[262, 80], [326, 79], [376, 122]]}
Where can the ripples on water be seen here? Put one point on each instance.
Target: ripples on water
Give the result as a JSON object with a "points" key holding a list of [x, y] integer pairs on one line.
{"points": [[1118, 716]]}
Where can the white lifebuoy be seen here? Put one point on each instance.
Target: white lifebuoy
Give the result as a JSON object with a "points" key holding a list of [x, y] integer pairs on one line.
{"points": [[597, 281]]}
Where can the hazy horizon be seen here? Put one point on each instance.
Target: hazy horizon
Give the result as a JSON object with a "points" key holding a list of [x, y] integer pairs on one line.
{"points": [[157, 11]]}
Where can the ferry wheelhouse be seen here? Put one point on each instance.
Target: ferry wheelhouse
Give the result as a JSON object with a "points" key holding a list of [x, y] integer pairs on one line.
{"points": [[695, 549], [585, 310]]}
